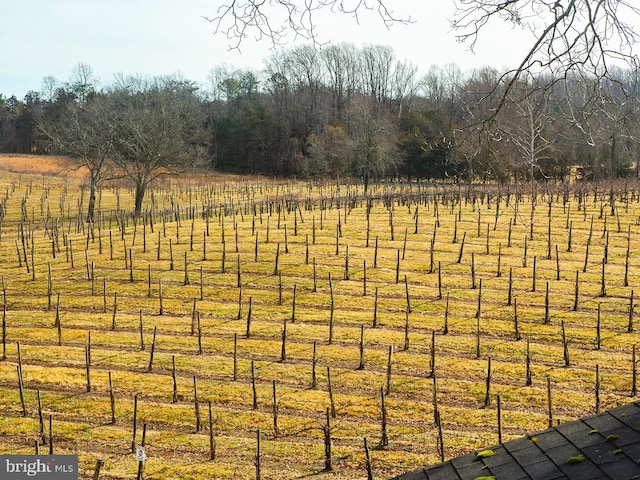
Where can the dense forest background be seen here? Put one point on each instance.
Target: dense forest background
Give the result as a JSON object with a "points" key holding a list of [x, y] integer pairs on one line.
{"points": [[337, 111]]}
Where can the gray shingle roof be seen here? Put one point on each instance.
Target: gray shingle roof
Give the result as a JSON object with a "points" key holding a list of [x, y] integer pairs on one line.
{"points": [[604, 446]]}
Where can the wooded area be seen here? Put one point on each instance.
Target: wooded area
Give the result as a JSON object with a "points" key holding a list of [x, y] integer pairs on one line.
{"points": [[340, 111]]}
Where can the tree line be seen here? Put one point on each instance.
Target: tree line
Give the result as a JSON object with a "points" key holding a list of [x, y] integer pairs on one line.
{"points": [[335, 111]]}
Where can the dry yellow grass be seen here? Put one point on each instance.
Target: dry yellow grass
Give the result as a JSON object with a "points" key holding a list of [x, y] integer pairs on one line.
{"points": [[291, 216]]}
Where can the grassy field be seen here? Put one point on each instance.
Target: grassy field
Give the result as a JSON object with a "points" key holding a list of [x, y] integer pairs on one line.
{"points": [[215, 257]]}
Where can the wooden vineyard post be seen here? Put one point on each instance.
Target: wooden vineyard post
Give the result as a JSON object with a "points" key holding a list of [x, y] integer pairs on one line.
{"points": [[43, 438], [557, 263], [174, 378], [199, 334], [239, 315], [547, 319], [404, 243], [153, 347], [626, 259], [487, 395], [367, 454], [375, 254], [577, 292], [97, 469], [473, 271], [112, 401], [440, 439], [277, 259], [549, 403], [631, 307], [238, 277], [115, 311], [586, 257], [478, 331], [533, 281], [283, 349], [253, 386], [549, 240], [346, 263], [141, 329], [194, 316], [135, 423], [171, 263], [565, 346], [510, 288], [364, 278], [375, 309], [131, 279], [186, 280], [388, 378], [330, 392], [432, 355], [212, 439], [326, 429], [384, 437], [479, 307], [196, 404], [464, 236], [454, 240], [315, 277], [597, 390], [331, 313], [140, 474], [406, 329], [598, 338], [499, 415], [439, 281], [87, 356], [248, 331], [436, 409], [361, 348], [445, 327], [487, 244], [603, 288]]}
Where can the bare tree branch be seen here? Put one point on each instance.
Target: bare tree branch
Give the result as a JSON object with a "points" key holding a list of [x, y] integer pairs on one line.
{"points": [[273, 20], [567, 35]]}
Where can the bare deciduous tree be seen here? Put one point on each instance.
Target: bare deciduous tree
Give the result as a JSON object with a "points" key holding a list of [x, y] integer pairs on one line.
{"points": [[566, 36], [83, 132], [158, 129]]}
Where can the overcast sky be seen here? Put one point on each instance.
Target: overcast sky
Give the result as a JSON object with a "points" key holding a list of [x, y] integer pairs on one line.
{"points": [[157, 37]]}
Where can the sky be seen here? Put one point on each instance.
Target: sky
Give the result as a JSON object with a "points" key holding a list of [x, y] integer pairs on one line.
{"points": [[43, 38]]}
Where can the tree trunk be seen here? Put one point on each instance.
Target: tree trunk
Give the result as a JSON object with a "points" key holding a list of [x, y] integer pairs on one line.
{"points": [[141, 188], [92, 198]]}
